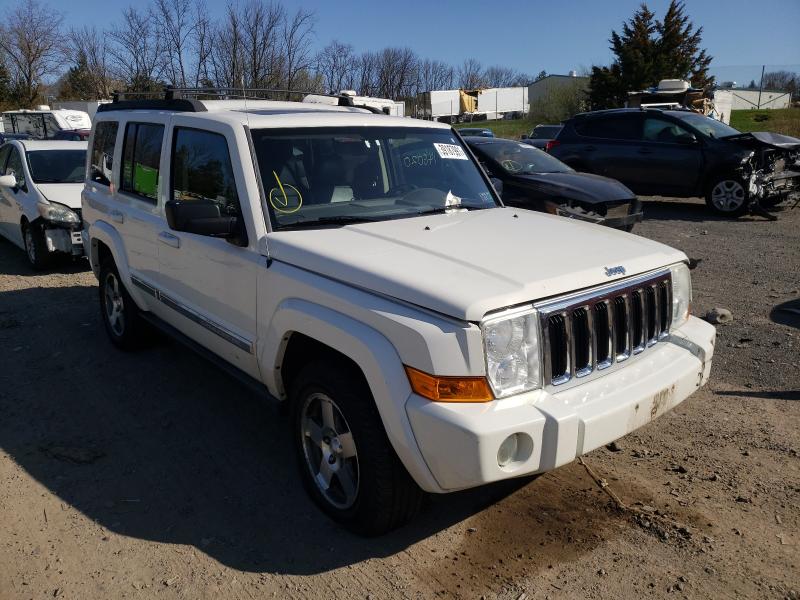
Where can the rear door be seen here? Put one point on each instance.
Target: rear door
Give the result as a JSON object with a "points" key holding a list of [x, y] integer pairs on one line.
{"points": [[609, 144], [6, 195], [670, 158], [208, 284]]}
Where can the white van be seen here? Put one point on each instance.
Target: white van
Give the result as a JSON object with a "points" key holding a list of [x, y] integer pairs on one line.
{"points": [[43, 123]]}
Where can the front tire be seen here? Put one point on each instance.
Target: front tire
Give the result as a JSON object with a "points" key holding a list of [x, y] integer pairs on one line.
{"points": [[121, 316], [39, 256], [727, 196], [346, 462]]}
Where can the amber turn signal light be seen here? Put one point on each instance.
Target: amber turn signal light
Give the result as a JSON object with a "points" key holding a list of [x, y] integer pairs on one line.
{"points": [[449, 389]]}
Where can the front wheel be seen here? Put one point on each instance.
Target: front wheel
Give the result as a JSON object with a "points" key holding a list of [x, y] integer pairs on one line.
{"points": [[39, 256], [346, 462], [727, 196]]}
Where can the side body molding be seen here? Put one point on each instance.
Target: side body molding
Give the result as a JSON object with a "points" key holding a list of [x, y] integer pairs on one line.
{"points": [[373, 353]]}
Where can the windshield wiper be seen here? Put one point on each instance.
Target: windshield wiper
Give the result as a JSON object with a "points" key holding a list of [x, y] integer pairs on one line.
{"points": [[330, 220]]}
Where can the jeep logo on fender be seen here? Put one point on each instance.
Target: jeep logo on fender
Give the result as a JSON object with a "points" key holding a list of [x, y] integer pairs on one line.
{"points": [[610, 271]]}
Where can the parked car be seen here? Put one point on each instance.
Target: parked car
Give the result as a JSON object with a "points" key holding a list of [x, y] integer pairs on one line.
{"points": [[362, 269], [75, 135], [535, 180], [541, 135], [5, 137], [681, 153], [40, 198], [474, 131]]}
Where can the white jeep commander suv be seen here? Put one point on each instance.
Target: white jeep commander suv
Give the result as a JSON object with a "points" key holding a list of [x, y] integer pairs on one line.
{"points": [[362, 268]]}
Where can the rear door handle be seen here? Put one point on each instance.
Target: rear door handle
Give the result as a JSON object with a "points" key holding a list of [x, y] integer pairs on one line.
{"points": [[170, 240], [116, 216]]}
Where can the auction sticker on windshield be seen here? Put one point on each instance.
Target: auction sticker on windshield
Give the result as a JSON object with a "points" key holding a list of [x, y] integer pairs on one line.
{"points": [[450, 151]]}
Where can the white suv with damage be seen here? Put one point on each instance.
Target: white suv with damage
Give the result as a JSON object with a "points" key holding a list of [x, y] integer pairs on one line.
{"points": [[362, 269]]}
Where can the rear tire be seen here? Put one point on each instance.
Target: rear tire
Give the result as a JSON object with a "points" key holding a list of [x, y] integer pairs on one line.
{"points": [[727, 196], [346, 462], [39, 257], [121, 316]]}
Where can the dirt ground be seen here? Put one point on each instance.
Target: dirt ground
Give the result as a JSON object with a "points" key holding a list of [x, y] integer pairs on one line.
{"points": [[156, 475]]}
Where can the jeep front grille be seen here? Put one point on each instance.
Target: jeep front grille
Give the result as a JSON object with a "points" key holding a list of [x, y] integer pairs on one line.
{"points": [[585, 333]]}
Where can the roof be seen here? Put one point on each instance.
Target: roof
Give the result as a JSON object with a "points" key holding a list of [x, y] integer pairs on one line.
{"points": [[33, 145], [270, 113], [611, 111]]}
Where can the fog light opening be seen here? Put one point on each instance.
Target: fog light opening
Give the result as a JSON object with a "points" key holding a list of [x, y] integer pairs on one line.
{"points": [[515, 450]]}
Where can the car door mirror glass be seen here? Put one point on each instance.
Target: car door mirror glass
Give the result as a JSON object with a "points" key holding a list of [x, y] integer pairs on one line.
{"points": [[686, 138], [201, 217]]}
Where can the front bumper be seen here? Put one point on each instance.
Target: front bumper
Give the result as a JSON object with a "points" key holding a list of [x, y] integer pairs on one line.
{"points": [[66, 239], [460, 441]]}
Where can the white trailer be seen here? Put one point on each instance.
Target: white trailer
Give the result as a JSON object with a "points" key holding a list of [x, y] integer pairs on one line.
{"points": [[496, 102], [440, 103]]}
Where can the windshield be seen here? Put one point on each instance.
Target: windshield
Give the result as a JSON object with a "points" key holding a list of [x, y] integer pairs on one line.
{"points": [[522, 159], [336, 175], [707, 125], [57, 166]]}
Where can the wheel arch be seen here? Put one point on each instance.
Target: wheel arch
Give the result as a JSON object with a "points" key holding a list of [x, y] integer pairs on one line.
{"points": [[105, 241], [301, 331]]}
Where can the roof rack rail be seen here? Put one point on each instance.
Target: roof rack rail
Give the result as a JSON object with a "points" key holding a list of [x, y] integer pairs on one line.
{"points": [[188, 99]]}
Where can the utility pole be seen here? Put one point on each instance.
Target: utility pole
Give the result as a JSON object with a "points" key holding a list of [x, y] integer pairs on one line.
{"points": [[760, 86]]}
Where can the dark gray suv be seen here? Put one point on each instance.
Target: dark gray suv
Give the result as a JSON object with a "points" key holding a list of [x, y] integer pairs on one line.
{"points": [[681, 153]]}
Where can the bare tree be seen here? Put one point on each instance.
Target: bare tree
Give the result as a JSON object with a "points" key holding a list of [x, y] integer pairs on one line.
{"points": [[227, 52], [396, 71], [470, 74], [136, 50], [176, 25], [297, 35], [337, 65], [366, 73], [91, 44], [499, 76], [261, 24], [435, 75], [32, 42], [203, 44]]}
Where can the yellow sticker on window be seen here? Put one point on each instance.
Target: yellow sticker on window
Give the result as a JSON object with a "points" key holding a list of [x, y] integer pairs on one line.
{"points": [[285, 198]]}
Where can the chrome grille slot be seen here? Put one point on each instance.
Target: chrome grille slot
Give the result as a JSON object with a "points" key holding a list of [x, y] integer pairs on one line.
{"points": [[558, 338], [604, 340], [588, 332], [622, 339]]}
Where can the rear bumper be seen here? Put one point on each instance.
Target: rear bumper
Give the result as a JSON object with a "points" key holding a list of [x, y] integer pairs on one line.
{"points": [[460, 442]]}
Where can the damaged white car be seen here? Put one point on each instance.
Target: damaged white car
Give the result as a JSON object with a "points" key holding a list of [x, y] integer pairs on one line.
{"points": [[40, 198]]}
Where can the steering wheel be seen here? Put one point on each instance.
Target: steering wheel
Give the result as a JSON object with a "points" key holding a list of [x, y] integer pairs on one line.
{"points": [[511, 166]]}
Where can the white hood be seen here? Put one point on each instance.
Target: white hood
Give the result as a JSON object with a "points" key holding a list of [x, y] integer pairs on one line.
{"points": [[466, 264], [68, 194]]}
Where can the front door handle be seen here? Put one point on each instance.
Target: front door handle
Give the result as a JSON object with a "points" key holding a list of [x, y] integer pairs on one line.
{"points": [[170, 240], [116, 216]]}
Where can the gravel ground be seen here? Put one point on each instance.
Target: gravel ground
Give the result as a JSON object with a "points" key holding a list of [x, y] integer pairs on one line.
{"points": [[155, 475]]}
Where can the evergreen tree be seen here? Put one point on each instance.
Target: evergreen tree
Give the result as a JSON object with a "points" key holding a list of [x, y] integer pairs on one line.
{"points": [[77, 83], [752, 85], [648, 50]]}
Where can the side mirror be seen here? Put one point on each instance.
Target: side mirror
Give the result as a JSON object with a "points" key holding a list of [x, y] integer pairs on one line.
{"points": [[687, 139], [8, 181], [524, 136], [203, 218], [498, 185]]}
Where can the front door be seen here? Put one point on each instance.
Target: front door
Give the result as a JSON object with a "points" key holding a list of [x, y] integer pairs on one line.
{"points": [[208, 284], [13, 200], [670, 159]]}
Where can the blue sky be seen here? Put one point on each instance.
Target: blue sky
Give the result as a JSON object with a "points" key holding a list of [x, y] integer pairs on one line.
{"points": [[528, 35]]}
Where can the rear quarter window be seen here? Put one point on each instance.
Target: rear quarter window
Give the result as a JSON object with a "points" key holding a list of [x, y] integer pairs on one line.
{"points": [[141, 158]]}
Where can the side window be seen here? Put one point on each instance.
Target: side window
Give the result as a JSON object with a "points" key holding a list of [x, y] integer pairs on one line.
{"points": [[140, 159], [4, 152], [51, 126], [14, 167], [102, 156], [615, 127], [202, 171], [659, 130]]}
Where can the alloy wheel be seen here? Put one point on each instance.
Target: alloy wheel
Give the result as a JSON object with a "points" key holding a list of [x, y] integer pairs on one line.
{"points": [[728, 195], [114, 304], [329, 450], [30, 245]]}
